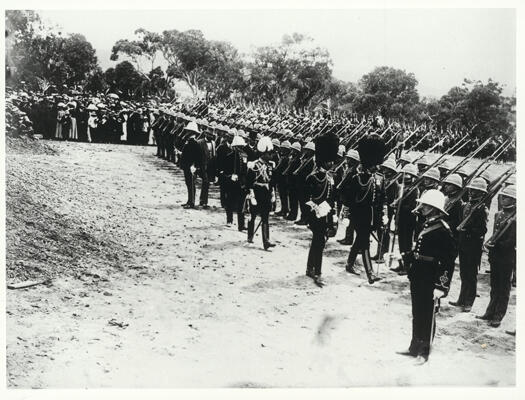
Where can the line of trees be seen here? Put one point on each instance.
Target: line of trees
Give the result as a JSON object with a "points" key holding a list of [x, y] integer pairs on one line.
{"points": [[294, 73]]}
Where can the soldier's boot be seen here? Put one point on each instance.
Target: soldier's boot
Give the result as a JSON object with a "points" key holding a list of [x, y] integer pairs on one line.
{"points": [[240, 222], [367, 262], [352, 256], [266, 236], [251, 227]]}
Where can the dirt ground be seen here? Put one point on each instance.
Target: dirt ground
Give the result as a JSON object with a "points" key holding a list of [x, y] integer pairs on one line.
{"points": [[143, 293]]}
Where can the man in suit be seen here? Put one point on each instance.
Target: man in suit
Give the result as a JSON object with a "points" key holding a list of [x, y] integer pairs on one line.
{"points": [[191, 159], [208, 151]]}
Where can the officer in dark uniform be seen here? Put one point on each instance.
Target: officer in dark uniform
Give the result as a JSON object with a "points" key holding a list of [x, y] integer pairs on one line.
{"points": [[191, 159], [300, 174], [293, 164], [259, 185], [502, 257], [430, 273], [389, 170], [234, 180], [352, 161], [281, 180], [320, 205], [366, 202], [223, 150], [471, 237]]}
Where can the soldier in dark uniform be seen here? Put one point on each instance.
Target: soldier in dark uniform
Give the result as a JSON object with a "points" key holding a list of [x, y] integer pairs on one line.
{"points": [[234, 180], [280, 180], [320, 205], [300, 174], [471, 237], [352, 161], [191, 159], [451, 188], [251, 149], [223, 150], [430, 273], [406, 220], [293, 164], [258, 182], [366, 202], [389, 170], [502, 257]]}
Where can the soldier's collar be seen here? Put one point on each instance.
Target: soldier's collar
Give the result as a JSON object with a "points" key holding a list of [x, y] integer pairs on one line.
{"points": [[435, 219]]}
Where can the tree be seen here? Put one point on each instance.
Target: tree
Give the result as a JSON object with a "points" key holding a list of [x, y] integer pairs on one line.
{"points": [[388, 91], [142, 51], [293, 72], [480, 108], [38, 53], [126, 80]]}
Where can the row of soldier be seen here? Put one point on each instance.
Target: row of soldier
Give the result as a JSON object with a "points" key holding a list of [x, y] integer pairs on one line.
{"points": [[435, 206]]}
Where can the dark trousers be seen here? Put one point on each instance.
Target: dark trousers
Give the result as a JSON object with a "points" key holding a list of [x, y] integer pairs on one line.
{"points": [[294, 202], [263, 207], [315, 255], [234, 202], [170, 149], [189, 179], [222, 190], [421, 293], [501, 266], [469, 260], [283, 196], [205, 187]]}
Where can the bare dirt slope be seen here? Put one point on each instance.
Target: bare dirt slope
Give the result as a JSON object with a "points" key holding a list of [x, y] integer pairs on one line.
{"points": [[146, 294]]}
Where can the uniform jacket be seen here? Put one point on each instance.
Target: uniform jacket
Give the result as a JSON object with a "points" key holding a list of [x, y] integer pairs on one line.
{"points": [[434, 255]]}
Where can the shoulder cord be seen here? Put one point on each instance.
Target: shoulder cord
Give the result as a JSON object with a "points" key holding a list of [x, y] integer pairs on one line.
{"points": [[368, 186]]}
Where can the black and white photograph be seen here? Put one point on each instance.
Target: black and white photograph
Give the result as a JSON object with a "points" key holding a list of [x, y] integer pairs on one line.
{"points": [[275, 196]]}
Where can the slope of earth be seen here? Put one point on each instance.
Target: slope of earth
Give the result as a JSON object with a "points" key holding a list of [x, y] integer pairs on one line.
{"points": [[147, 294]]}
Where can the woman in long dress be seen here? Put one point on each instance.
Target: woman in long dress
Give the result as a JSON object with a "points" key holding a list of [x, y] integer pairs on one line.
{"points": [[62, 116], [73, 131]]}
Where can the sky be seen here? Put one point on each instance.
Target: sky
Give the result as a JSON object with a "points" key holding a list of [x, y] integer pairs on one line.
{"points": [[440, 46]]}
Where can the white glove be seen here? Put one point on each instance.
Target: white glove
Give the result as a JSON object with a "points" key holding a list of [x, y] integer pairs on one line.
{"points": [[234, 177], [345, 222], [273, 197], [193, 169], [385, 220], [438, 294]]}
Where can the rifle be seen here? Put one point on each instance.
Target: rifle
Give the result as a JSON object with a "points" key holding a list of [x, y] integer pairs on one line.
{"points": [[498, 183], [348, 139], [416, 183], [350, 142], [502, 229], [401, 194], [404, 141], [467, 159]]}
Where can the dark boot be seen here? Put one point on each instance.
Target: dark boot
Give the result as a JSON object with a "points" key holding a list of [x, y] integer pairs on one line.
{"points": [[266, 236], [367, 262], [351, 261], [251, 227], [240, 222]]}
